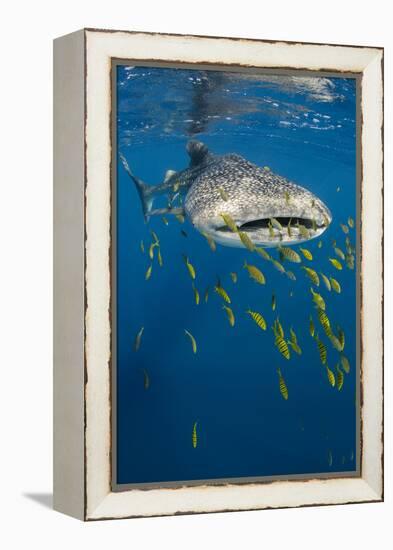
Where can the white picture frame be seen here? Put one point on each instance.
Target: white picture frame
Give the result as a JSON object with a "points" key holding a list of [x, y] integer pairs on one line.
{"points": [[82, 260]]}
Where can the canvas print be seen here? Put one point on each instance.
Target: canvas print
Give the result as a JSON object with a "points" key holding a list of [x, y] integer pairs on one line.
{"points": [[236, 307]]}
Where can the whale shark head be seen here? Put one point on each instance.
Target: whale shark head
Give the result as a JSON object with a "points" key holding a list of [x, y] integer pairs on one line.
{"points": [[269, 209], [268, 224]]}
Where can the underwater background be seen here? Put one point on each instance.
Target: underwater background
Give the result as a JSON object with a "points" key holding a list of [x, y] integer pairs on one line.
{"points": [[220, 412]]}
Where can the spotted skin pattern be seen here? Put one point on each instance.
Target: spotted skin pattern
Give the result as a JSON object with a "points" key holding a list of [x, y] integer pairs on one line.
{"points": [[213, 185]]}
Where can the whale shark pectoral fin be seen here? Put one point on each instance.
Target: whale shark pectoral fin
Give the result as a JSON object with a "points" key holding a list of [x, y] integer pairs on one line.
{"points": [[197, 151], [145, 191], [162, 211], [168, 175]]}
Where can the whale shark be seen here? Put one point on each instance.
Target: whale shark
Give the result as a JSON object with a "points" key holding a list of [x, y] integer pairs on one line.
{"points": [[270, 209]]}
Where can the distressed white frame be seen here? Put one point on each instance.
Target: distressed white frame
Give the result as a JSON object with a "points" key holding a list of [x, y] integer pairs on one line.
{"points": [[100, 47]]}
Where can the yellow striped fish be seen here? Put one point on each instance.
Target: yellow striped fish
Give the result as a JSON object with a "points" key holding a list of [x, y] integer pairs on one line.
{"points": [[180, 218], [351, 223], [282, 385], [317, 299], [138, 338], [293, 335], [257, 317], [142, 247], [335, 342], [322, 350], [335, 285], [341, 337], [306, 253], [164, 220], [245, 239], [159, 258], [348, 245], [290, 254], [233, 277], [228, 220], [196, 294], [277, 328], [146, 379], [210, 241], [194, 437], [312, 327], [255, 273], [350, 261], [331, 377], [275, 223], [274, 302], [222, 292], [295, 346], [344, 228], [324, 320], [304, 232], [230, 315], [326, 281], [156, 240], [345, 364], [278, 265], [192, 340], [311, 274], [223, 194], [335, 263], [189, 266], [262, 252], [148, 272], [282, 346], [293, 342], [152, 247], [289, 230], [339, 378], [290, 275], [339, 253], [320, 244], [206, 295]]}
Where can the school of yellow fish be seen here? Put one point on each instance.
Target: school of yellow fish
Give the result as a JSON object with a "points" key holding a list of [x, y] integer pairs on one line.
{"points": [[284, 339]]}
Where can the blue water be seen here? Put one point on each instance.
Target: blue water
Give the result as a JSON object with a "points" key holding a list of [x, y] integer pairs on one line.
{"points": [[305, 130]]}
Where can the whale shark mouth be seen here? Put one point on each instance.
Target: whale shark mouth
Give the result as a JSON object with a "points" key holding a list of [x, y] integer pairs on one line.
{"points": [[264, 223], [272, 231]]}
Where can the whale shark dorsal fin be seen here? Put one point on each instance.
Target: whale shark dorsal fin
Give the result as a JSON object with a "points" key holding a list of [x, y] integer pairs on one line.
{"points": [[168, 175], [197, 151]]}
